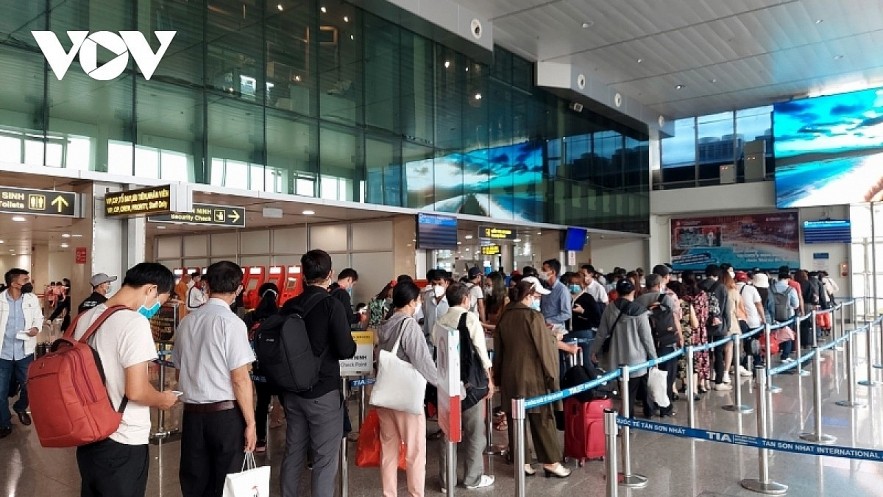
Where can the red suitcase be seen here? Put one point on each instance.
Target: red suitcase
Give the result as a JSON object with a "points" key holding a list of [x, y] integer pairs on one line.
{"points": [[584, 429]]}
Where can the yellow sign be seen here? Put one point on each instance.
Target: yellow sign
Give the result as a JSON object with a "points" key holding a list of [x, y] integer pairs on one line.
{"points": [[490, 250], [60, 203], [154, 200], [492, 233], [39, 202], [215, 215], [363, 362]]}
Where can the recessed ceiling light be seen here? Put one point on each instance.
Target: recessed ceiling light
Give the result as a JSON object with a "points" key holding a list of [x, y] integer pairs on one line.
{"points": [[65, 235], [308, 213], [539, 232], [19, 219], [713, 80], [279, 6], [468, 237], [639, 60], [346, 19], [76, 235], [323, 9], [679, 87], [477, 96], [517, 240], [447, 64], [2, 242], [819, 21], [838, 57], [468, 249], [64, 245], [160, 227], [459, 243], [352, 37], [588, 24], [467, 69]]}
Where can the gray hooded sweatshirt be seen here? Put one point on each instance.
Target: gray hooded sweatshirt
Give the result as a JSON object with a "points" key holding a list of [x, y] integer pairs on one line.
{"points": [[631, 342]]}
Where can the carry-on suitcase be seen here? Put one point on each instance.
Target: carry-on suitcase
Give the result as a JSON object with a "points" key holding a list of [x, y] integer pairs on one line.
{"points": [[584, 429]]}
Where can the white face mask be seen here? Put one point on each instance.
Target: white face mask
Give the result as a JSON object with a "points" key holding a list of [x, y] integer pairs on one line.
{"points": [[535, 304], [439, 291]]}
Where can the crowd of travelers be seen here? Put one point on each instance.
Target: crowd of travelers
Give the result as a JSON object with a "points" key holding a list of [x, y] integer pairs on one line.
{"points": [[518, 332]]}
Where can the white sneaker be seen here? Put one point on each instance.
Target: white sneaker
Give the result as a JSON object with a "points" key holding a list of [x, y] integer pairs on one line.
{"points": [[744, 372], [727, 378], [722, 387], [484, 481], [787, 359]]}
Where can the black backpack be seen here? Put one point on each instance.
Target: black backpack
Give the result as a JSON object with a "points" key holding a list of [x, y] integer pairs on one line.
{"points": [[283, 349], [715, 310], [662, 323], [472, 372], [580, 374]]}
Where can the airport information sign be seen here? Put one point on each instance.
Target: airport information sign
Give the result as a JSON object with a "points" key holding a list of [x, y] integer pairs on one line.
{"points": [[39, 202], [492, 233], [153, 200], [205, 214]]}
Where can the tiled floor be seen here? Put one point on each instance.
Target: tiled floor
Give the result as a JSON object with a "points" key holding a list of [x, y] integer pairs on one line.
{"points": [[674, 466]]}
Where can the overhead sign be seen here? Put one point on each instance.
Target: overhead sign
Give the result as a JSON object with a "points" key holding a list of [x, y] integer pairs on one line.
{"points": [[493, 233], [153, 200], [206, 214], [490, 250], [39, 202]]}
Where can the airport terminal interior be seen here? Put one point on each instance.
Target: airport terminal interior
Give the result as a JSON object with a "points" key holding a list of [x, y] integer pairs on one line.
{"points": [[469, 137]]}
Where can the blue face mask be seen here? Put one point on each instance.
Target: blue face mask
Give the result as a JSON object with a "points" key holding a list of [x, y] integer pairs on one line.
{"points": [[151, 311], [575, 289], [535, 305]]}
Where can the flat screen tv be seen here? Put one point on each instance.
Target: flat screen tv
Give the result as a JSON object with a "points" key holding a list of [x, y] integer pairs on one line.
{"points": [[436, 232], [829, 149], [575, 239], [827, 231]]}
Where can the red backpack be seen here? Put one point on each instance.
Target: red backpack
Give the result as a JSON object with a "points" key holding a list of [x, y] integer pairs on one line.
{"points": [[69, 402]]}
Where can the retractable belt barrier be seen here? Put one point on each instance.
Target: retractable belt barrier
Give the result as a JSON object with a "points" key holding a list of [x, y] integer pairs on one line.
{"points": [[752, 441]]}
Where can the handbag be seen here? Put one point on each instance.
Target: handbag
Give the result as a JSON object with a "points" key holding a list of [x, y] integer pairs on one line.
{"points": [[657, 381], [399, 386], [368, 447], [252, 481]]}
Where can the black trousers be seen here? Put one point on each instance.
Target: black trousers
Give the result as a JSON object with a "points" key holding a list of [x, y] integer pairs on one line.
{"points": [[112, 469], [212, 446], [719, 366], [638, 386], [265, 393]]}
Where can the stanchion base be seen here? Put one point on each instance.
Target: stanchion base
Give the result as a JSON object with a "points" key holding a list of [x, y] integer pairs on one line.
{"points": [[868, 383], [741, 409], [818, 439], [770, 488], [846, 403], [774, 389], [633, 481]]}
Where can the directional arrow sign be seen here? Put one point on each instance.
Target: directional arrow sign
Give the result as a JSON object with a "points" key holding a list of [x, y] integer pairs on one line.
{"points": [[206, 215], [39, 202]]}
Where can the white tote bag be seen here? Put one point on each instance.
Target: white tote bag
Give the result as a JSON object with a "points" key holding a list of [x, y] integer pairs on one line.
{"points": [[252, 481], [399, 386], [657, 383]]}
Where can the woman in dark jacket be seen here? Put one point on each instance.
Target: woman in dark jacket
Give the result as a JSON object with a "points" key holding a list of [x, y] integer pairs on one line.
{"points": [[267, 307], [526, 365]]}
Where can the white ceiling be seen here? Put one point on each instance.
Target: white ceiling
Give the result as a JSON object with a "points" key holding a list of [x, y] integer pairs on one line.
{"points": [[727, 54]]}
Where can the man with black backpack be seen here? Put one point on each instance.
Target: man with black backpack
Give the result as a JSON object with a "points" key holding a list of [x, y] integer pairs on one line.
{"points": [[475, 366], [718, 322], [665, 326], [314, 412]]}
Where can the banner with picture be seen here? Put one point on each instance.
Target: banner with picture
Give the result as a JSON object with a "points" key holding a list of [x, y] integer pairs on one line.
{"points": [[748, 241]]}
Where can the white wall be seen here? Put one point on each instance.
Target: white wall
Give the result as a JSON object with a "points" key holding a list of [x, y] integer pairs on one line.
{"points": [[627, 253]]}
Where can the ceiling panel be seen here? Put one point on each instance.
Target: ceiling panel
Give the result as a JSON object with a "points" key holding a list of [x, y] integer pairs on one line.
{"points": [[728, 54]]}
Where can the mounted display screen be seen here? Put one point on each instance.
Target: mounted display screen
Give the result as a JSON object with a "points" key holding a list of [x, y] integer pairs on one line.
{"points": [[575, 239], [827, 231], [436, 232]]}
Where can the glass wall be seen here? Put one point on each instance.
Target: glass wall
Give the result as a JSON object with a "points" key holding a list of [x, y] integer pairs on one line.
{"points": [[701, 145], [315, 99]]}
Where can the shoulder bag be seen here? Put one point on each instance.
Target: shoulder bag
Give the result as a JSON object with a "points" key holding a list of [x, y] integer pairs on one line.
{"points": [[399, 385]]}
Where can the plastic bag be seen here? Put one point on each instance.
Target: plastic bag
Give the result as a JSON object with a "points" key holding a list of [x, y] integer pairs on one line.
{"points": [[368, 448], [657, 384]]}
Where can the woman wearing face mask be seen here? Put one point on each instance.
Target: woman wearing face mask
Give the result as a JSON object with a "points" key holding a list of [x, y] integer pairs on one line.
{"points": [[379, 306], [496, 300], [526, 365], [586, 314], [397, 427]]}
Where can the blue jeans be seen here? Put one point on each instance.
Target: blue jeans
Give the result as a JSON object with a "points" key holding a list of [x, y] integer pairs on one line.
{"points": [[785, 348], [20, 370]]}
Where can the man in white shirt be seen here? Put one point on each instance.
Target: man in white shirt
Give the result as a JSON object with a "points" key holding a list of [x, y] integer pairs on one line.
{"points": [[754, 316], [213, 356], [118, 466], [593, 288], [474, 428], [196, 297], [434, 303]]}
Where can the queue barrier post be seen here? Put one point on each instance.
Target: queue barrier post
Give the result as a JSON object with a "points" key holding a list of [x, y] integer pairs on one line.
{"points": [[879, 364], [798, 323], [850, 375], [835, 329], [691, 389], [628, 479], [611, 461], [518, 415], [738, 407], [817, 436], [869, 349], [344, 463], [767, 330], [763, 484]]}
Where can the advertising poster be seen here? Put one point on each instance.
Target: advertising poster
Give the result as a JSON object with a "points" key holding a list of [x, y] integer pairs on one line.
{"points": [[362, 364], [764, 241]]}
